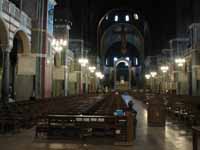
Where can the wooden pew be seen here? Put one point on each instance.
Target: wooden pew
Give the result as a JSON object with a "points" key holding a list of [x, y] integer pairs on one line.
{"points": [[47, 125], [180, 107], [83, 116], [9, 119], [196, 136], [184, 108]]}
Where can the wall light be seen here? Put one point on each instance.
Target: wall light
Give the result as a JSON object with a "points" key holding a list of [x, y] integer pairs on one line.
{"points": [[116, 18], [147, 76], [83, 61], [92, 69], [127, 18], [164, 69], [127, 58], [180, 61], [136, 17], [115, 58], [153, 74]]}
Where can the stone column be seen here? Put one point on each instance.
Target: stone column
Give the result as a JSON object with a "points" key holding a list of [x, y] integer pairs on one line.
{"points": [[1, 3], [86, 82], [5, 78], [13, 82], [115, 76], [129, 76], [66, 73], [110, 76], [195, 68]]}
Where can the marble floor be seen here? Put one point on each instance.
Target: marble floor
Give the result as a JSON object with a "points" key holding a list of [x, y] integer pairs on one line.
{"points": [[173, 137]]}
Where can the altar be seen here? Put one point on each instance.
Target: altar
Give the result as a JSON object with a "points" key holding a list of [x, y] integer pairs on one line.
{"points": [[119, 81], [122, 86]]}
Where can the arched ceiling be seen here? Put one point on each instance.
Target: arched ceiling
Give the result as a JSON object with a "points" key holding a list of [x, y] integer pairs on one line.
{"points": [[22, 36], [112, 36], [115, 52]]}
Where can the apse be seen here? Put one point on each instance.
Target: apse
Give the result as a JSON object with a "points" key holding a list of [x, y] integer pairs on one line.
{"points": [[114, 53], [121, 37]]}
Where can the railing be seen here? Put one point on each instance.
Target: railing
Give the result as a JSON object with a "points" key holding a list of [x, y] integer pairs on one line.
{"points": [[10, 9]]}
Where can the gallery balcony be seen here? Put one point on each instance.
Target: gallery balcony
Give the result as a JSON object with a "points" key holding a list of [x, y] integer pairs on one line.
{"points": [[11, 13]]}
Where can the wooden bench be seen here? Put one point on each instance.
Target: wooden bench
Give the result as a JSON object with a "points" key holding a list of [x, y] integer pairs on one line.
{"points": [[196, 136], [83, 116], [47, 125], [180, 107], [185, 108], [156, 111]]}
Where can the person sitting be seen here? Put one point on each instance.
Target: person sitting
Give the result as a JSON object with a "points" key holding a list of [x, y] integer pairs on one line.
{"points": [[130, 107]]}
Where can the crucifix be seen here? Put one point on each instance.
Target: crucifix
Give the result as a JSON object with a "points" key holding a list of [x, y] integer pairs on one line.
{"points": [[123, 33]]}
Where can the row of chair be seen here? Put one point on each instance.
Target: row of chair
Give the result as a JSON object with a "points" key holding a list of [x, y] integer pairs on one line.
{"points": [[92, 113], [24, 114], [180, 107]]}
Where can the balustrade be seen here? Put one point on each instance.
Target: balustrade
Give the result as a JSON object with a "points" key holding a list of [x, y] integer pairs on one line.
{"points": [[13, 11]]}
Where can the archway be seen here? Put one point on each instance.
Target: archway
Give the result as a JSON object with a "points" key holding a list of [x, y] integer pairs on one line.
{"points": [[17, 81], [113, 53], [122, 74], [4, 44], [110, 37], [122, 38]]}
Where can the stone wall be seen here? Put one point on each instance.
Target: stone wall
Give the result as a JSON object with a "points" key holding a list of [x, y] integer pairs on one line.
{"points": [[24, 87], [58, 87], [72, 88]]}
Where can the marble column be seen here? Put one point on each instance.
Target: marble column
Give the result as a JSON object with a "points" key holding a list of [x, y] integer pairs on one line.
{"points": [[66, 35], [5, 77], [129, 76], [115, 76], [1, 2]]}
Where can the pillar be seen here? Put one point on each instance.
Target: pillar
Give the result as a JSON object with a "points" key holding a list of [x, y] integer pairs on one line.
{"points": [[6, 75], [81, 81], [115, 76], [1, 2], [110, 73], [195, 70], [86, 82], [129, 76], [111, 77], [66, 73], [44, 48], [13, 78]]}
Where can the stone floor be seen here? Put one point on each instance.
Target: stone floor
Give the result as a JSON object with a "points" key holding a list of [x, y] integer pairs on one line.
{"points": [[172, 137]]}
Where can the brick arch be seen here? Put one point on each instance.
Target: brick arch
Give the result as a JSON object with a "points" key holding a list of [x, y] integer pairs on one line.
{"points": [[23, 37]]}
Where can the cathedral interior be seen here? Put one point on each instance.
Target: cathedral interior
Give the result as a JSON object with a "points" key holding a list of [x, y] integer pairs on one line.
{"points": [[96, 74]]}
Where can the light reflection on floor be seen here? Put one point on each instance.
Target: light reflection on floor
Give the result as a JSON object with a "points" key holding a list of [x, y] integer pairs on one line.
{"points": [[172, 137]]}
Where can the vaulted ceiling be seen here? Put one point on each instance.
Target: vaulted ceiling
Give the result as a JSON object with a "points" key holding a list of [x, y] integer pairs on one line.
{"points": [[166, 18]]}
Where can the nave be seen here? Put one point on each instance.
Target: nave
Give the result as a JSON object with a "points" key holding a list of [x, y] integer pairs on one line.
{"points": [[174, 136]]}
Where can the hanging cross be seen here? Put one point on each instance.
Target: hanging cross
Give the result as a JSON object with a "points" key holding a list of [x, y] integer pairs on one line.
{"points": [[123, 33]]}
